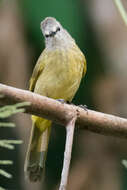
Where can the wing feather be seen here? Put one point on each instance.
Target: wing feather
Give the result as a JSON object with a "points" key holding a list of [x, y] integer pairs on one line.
{"points": [[38, 69]]}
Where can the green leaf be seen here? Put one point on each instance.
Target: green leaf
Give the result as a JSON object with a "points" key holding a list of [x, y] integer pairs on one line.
{"points": [[5, 174], [6, 162], [8, 143], [2, 124], [1, 188], [7, 111], [124, 163]]}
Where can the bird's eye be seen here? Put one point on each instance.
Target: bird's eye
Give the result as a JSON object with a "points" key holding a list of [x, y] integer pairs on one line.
{"points": [[58, 29], [47, 35], [52, 33]]}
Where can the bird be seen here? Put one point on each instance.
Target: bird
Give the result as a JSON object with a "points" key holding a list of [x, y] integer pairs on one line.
{"points": [[57, 74]]}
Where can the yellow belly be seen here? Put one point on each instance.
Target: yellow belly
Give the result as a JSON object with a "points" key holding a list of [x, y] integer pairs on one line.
{"points": [[62, 74]]}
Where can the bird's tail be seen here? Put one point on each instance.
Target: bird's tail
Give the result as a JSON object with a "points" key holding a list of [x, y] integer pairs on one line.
{"points": [[37, 149]]}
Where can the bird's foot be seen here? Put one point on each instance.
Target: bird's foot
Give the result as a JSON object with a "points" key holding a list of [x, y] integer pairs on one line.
{"points": [[62, 101], [68, 102], [83, 107]]}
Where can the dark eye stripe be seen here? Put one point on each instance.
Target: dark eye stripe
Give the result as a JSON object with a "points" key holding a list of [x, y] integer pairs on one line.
{"points": [[47, 35], [52, 33], [58, 29]]}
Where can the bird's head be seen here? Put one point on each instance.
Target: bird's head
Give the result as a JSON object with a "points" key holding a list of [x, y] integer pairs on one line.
{"points": [[54, 33], [50, 27]]}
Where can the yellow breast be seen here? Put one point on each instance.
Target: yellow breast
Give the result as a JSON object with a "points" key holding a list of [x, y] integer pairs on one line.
{"points": [[62, 73]]}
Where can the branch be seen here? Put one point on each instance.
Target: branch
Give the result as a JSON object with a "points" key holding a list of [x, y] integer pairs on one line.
{"points": [[63, 113], [121, 10], [67, 154]]}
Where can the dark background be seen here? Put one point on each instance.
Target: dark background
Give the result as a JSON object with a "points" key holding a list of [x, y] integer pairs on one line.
{"points": [[101, 34]]}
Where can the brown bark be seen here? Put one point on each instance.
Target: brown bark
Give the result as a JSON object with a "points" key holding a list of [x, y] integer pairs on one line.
{"points": [[97, 122]]}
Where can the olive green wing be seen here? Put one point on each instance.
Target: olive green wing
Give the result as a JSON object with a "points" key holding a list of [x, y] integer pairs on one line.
{"points": [[82, 60], [38, 69], [83, 63], [85, 66]]}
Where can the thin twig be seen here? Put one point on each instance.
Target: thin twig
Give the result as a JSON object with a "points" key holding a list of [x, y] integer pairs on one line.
{"points": [[62, 113], [67, 154], [122, 10]]}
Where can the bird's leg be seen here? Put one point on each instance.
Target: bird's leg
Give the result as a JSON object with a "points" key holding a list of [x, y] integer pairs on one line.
{"points": [[83, 107], [68, 102], [62, 101]]}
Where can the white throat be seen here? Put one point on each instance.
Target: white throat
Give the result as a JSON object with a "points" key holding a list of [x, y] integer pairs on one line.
{"points": [[61, 40]]}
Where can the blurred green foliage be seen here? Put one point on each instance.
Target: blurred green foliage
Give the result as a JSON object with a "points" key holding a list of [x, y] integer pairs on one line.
{"points": [[5, 112], [67, 12]]}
